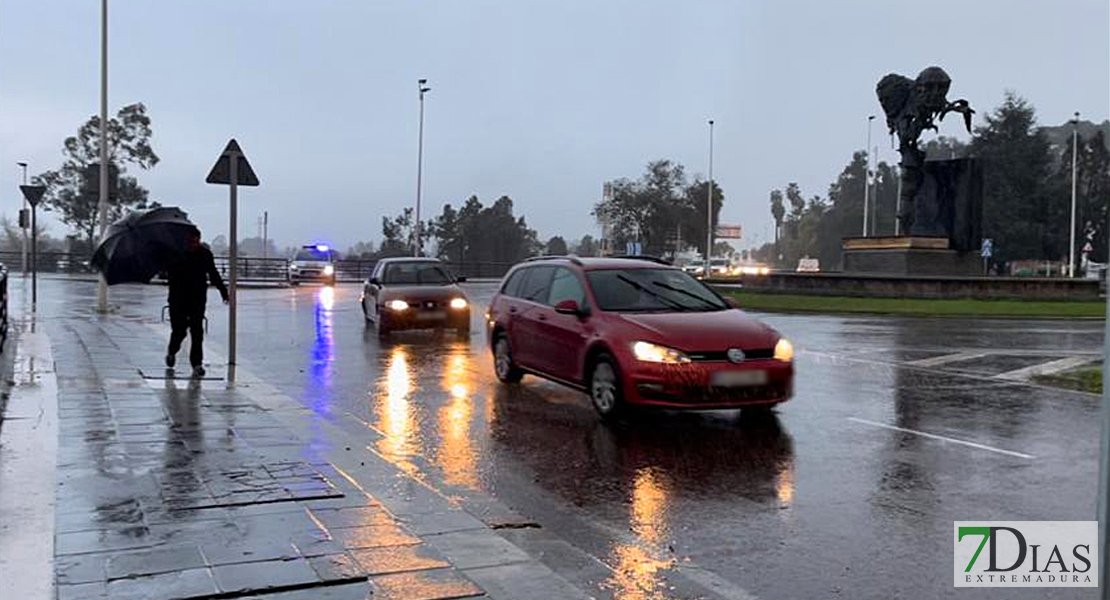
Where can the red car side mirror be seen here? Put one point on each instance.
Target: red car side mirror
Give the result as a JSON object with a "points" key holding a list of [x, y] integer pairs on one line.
{"points": [[568, 307]]}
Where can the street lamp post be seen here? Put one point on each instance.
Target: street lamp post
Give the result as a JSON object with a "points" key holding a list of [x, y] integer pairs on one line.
{"points": [[102, 204], [417, 245], [23, 252], [709, 209], [1074, 171], [867, 173], [898, 204], [875, 192]]}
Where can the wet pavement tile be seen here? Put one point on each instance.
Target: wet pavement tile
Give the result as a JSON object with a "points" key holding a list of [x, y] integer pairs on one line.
{"points": [[84, 591], [533, 581], [373, 536], [476, 548], [336, 567], [398, 559], [250, 549], [354, 517], [441, 522], [266, 575], [438, 584], [154, 561], [188, 583], [315, 543], [103, 540], [344, 591], [81, 568]]}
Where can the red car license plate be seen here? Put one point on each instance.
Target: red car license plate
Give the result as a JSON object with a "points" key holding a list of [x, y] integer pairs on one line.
{"points": [[739, 378]]}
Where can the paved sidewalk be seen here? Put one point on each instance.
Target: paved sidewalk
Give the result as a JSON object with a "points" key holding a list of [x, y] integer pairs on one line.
{"points": [[174, 488]]}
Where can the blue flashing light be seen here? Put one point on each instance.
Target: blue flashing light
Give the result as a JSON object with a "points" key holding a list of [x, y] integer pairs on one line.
{"points": [[322, 247]]}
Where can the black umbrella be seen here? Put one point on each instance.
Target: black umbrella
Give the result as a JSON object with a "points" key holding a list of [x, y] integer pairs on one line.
{"points": [[143, 244]]}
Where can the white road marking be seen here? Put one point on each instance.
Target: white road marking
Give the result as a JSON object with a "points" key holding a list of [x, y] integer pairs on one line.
{"points": [[944, 438], [936, 361], [1047, 368]]}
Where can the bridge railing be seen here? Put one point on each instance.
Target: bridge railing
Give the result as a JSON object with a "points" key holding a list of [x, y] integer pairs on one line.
{"points": [[252, 268], [3, 306]]}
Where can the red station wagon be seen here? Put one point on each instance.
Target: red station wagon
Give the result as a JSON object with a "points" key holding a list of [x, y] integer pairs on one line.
{"points": [[634, 332]]}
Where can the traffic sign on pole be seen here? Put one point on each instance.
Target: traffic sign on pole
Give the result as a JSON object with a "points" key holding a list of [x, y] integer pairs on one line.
{"points": [[232, 169], [33, 194]]}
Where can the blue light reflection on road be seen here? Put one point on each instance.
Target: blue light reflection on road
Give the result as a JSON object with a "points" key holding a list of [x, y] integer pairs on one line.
{"points": [[323, 349]]}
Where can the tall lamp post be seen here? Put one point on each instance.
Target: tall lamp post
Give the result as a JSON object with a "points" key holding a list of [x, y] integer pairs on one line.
{"points": [[22, 221], [709, 209], [867, 173], [423, 88], [102, 204], [1074, 171]]}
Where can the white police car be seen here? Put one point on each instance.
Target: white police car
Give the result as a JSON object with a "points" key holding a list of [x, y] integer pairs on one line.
{"points": [[313, 263]]}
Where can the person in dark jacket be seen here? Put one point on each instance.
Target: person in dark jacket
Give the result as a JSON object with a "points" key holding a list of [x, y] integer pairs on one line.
{"points": [[189, 279]]}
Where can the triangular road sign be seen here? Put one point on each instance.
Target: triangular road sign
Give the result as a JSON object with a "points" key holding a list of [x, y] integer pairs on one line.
{"points": [[33, 193], [221, 171]]}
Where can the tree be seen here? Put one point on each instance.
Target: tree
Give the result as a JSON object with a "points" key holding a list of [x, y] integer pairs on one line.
{"points": [[658, 209], [69, 192], [1020, 212], [219, 245], [476, 233], [253, 247], [556, 246], [1092, 193], [691, 213], [399, 235], [778, 211], [587, 246], [363, 250]]}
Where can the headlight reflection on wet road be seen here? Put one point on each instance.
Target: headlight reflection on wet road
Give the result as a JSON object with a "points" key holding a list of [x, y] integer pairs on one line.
{"points": [[457, 455], [637, 566], [395, 418]]}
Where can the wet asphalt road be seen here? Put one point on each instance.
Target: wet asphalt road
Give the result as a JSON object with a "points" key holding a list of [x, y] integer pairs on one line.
{"points": [[824, 500]]}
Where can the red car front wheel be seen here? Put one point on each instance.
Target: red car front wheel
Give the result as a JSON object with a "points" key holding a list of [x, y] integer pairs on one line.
{"points": [[605, 388]]}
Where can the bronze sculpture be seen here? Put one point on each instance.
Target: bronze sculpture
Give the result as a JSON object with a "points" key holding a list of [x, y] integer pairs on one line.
{"points": [[911, 105]]}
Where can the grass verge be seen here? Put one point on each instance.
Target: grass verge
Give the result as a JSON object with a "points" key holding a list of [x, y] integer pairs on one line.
{"points": [[1084, 379], [915, 306]]}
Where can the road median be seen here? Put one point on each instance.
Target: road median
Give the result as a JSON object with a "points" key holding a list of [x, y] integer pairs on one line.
{"points": [[962, 307]]}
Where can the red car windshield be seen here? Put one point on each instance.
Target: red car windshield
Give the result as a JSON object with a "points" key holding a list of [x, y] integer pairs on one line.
{"points": [[651, 290], [415, 273]]}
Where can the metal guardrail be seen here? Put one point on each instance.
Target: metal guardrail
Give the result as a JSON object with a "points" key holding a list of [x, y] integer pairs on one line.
{"points": [[3, 306], [256, 269]]}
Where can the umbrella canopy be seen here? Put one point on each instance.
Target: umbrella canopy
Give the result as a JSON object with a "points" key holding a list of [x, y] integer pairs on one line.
{"points": [[143, 244]]}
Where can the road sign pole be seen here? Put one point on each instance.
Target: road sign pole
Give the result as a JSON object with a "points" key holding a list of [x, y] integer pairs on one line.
{"points": [[232, 169], [35, 259], [102, 202], [233, 274]]}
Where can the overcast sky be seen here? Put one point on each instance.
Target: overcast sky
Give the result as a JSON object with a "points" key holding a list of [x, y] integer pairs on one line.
{"points": [[541, 101]]}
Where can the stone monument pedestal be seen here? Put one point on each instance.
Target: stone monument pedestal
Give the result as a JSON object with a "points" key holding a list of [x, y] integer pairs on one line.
{"points": [[908, 255]]}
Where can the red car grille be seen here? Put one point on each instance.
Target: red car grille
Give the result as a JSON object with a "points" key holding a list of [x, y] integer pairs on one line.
{"points": [[722, 355]]}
